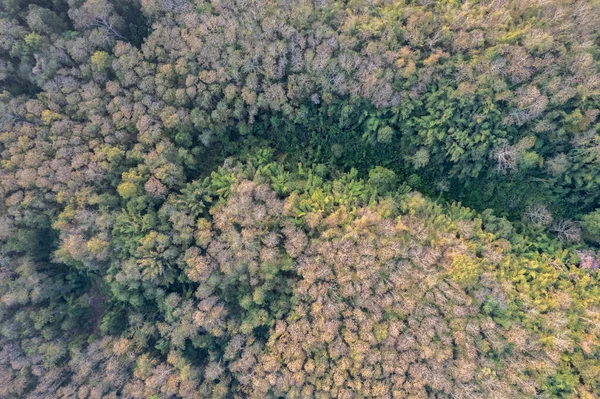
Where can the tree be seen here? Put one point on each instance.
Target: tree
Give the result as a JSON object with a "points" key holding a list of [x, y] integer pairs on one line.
{"points": [[384, 180], [100, 60], [538, 215]]}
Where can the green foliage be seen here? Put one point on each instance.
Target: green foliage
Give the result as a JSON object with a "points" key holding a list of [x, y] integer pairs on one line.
{"points": [[382, 179], [500, 227], [201, 199], [101, 60], [591, 223], [465, 270], [127, 190], [34, 41], [385, 135]]}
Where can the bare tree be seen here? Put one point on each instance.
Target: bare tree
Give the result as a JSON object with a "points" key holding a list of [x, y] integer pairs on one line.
{"points": [[107, 25], [538, 215], [506, 157], [567, 230]]}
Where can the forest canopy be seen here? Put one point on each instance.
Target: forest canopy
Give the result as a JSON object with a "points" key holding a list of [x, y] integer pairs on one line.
{"points": [[310, 198]]}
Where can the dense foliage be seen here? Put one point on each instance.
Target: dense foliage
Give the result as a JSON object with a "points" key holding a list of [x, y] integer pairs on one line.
{"points": [[257, 281], [217, 199]]}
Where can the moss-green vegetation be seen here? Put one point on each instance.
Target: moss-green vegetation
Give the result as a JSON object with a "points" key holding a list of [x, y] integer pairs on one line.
{"points": [[262, 199]]}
